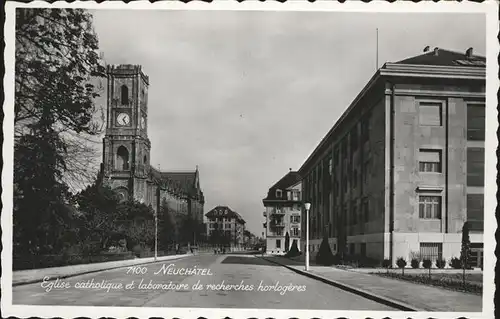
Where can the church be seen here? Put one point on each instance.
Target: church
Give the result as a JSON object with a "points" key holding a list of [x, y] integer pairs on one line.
{"points": [[126, 166]]}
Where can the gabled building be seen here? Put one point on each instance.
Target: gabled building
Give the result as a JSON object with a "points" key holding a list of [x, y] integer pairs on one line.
{"points": [[402, 170], [225, 227], [283, 213]]}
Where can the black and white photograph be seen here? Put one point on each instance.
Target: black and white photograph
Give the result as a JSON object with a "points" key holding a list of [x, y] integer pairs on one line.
{"points": [[249, 159]]}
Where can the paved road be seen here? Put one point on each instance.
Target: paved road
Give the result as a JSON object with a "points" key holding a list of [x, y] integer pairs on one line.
{"points": [[211, 270]]}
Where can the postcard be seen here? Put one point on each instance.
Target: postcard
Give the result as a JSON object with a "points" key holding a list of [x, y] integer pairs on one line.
{"points": [[249, 160]]}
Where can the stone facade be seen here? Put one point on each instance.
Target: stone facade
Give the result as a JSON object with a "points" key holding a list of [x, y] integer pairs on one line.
{"points": [[390, 179], [126, 164], [229, 222], [283, 214]]}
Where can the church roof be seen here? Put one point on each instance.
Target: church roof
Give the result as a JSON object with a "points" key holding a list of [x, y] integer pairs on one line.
{"points": [[181, 182]]}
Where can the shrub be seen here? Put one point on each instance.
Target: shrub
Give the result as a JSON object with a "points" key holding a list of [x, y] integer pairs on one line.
{"points": [[441, 263], [294, 250], [427, 263], [456, 263], [325, 256], [401, 263], [415, 263], [386, 263]]}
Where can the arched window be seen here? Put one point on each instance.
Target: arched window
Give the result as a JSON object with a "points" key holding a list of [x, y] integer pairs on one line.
{"points": [[122, 158], [122, 194], [145, 160], [124, 95]]}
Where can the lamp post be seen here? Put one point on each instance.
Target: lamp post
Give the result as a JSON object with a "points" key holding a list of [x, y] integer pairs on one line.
{"points": [[307, 206], [156, 236]]}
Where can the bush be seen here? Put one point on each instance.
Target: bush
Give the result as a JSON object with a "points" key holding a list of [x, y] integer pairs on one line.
{"points": [[386, 263], [448, 283], [401, 263], [456, 263], [441, 263], [427, 263], [294, 250], [325, 256], [415, 263]]}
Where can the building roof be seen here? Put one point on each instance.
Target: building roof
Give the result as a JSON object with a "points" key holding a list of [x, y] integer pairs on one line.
{"points": [[182, 182], [432, 63], [442, 57], [290, 179], [224, 211]]}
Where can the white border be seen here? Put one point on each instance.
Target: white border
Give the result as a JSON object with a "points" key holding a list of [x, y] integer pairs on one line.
{"points": [[489, 8]]}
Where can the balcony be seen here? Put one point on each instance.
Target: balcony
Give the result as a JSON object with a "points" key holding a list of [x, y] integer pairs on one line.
{"points": [[277, 224], [279, 211]]}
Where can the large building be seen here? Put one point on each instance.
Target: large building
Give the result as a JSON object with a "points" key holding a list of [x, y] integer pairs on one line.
{"points": [[126, 164], [225, 227], [283, 213], [403, 168]]}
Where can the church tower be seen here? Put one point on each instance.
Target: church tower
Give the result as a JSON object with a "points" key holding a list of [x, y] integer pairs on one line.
{"points": [[126, 147]]}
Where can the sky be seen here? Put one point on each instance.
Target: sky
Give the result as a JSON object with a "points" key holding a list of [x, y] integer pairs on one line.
{"points": [[248, 95]]}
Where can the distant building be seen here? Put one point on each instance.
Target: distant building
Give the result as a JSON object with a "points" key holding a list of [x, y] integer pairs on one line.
{"points": [[225, 227], [403, 168], [283, 213], [126, 166]]}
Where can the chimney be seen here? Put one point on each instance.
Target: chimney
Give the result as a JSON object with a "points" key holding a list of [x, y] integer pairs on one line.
{"points": [[427, 48], [436, 51], [469, 52], [290, 169]]}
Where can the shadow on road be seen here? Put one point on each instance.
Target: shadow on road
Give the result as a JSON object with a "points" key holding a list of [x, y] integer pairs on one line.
{"points": [[249, 260]]}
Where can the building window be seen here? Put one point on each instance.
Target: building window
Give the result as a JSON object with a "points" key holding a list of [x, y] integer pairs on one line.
{"points": [[475, 166], [430, 113], [330, 166], [363, 249], [475, 122], [295, 219], [279, 193], [429, 207], [354, 213], [429, 161], [365, 128], [124, 95], [295, 195], [122, 159], [366, 213], [366, 171], [354, 138], [278, 243], [295, 232], [355, 178], [475, 207], [431, 251], [352, 249]]}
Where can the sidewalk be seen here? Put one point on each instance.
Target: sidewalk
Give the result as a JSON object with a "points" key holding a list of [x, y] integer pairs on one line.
{"points": [[24, 277], [397, 293]]}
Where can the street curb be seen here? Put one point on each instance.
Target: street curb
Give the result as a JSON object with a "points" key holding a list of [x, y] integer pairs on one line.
{"points": [[34, 281], [368, 295]]}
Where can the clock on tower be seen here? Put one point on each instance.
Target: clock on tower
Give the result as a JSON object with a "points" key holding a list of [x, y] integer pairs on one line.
{"points": [[126, 144]]}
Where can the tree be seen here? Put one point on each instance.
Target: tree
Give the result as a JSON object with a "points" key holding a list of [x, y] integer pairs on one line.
{"points": [[325, 256], [465, 249], [100, 218], [294, 250], [287, 241], [56, 58]]}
